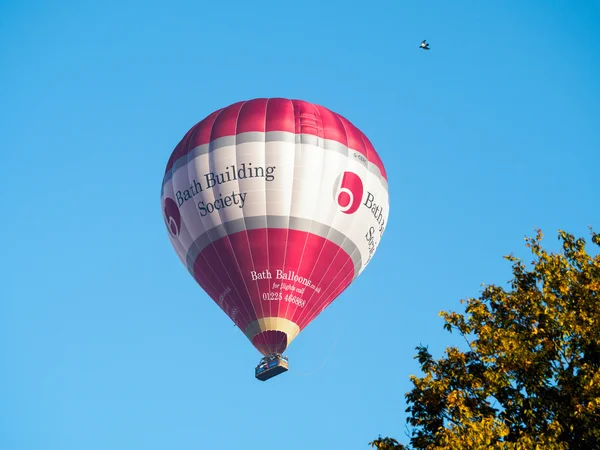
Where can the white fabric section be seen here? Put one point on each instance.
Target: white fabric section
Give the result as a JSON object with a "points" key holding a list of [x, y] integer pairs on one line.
{"points": [[305, 184], [279, 194], [179, 243]]}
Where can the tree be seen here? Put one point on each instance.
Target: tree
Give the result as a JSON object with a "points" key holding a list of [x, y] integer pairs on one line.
{"points": [[530, 375], [386, 444]]}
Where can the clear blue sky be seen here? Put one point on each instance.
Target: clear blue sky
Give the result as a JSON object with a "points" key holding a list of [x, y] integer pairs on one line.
{"points": [[106, 342]]}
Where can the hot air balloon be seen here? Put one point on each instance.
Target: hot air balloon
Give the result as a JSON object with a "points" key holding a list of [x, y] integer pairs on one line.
{"points": [[274, 206]]}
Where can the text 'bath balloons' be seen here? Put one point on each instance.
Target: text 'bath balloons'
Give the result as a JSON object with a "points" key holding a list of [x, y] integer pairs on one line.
{"points": [[274, 206]]}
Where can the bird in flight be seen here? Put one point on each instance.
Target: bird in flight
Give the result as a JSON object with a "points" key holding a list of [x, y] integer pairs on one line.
{"points": [[424, 45]]}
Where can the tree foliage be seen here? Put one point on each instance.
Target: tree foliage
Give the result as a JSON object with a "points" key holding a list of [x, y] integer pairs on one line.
{"points": [[386, 444], [530, 376]]}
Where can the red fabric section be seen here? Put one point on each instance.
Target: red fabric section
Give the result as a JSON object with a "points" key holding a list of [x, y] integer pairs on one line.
{"points": [[280, 115], [277, 114], [252, 116], [273, 273], [225, 124]]}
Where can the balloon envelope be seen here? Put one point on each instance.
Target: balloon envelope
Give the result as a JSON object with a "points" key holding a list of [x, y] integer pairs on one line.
{"points": [[274, 206]]}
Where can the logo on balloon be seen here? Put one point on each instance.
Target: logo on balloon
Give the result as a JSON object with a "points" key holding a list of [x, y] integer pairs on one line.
{"points": [[172, 216], [348, 192]]}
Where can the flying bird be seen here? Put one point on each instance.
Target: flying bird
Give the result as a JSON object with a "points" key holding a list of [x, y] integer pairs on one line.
{"points": [[424, 45]]}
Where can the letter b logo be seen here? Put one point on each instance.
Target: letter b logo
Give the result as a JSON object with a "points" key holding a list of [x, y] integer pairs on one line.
{"points": [[172, 216], [348, 192]]}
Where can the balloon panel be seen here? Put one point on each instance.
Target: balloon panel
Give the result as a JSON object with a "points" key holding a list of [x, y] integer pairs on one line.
{"points": [[275, 206]]}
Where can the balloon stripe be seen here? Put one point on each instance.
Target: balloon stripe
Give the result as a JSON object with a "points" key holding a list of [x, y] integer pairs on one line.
{"points": [[290, 121], [283, 222], [239, 250], [305, 187], [266, 191]]}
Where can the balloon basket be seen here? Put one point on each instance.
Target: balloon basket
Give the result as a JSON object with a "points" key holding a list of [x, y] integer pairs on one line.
{"points": [[270, 366]]}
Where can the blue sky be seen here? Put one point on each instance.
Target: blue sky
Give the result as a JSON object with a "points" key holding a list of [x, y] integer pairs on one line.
{"points": [[106, 342]]}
